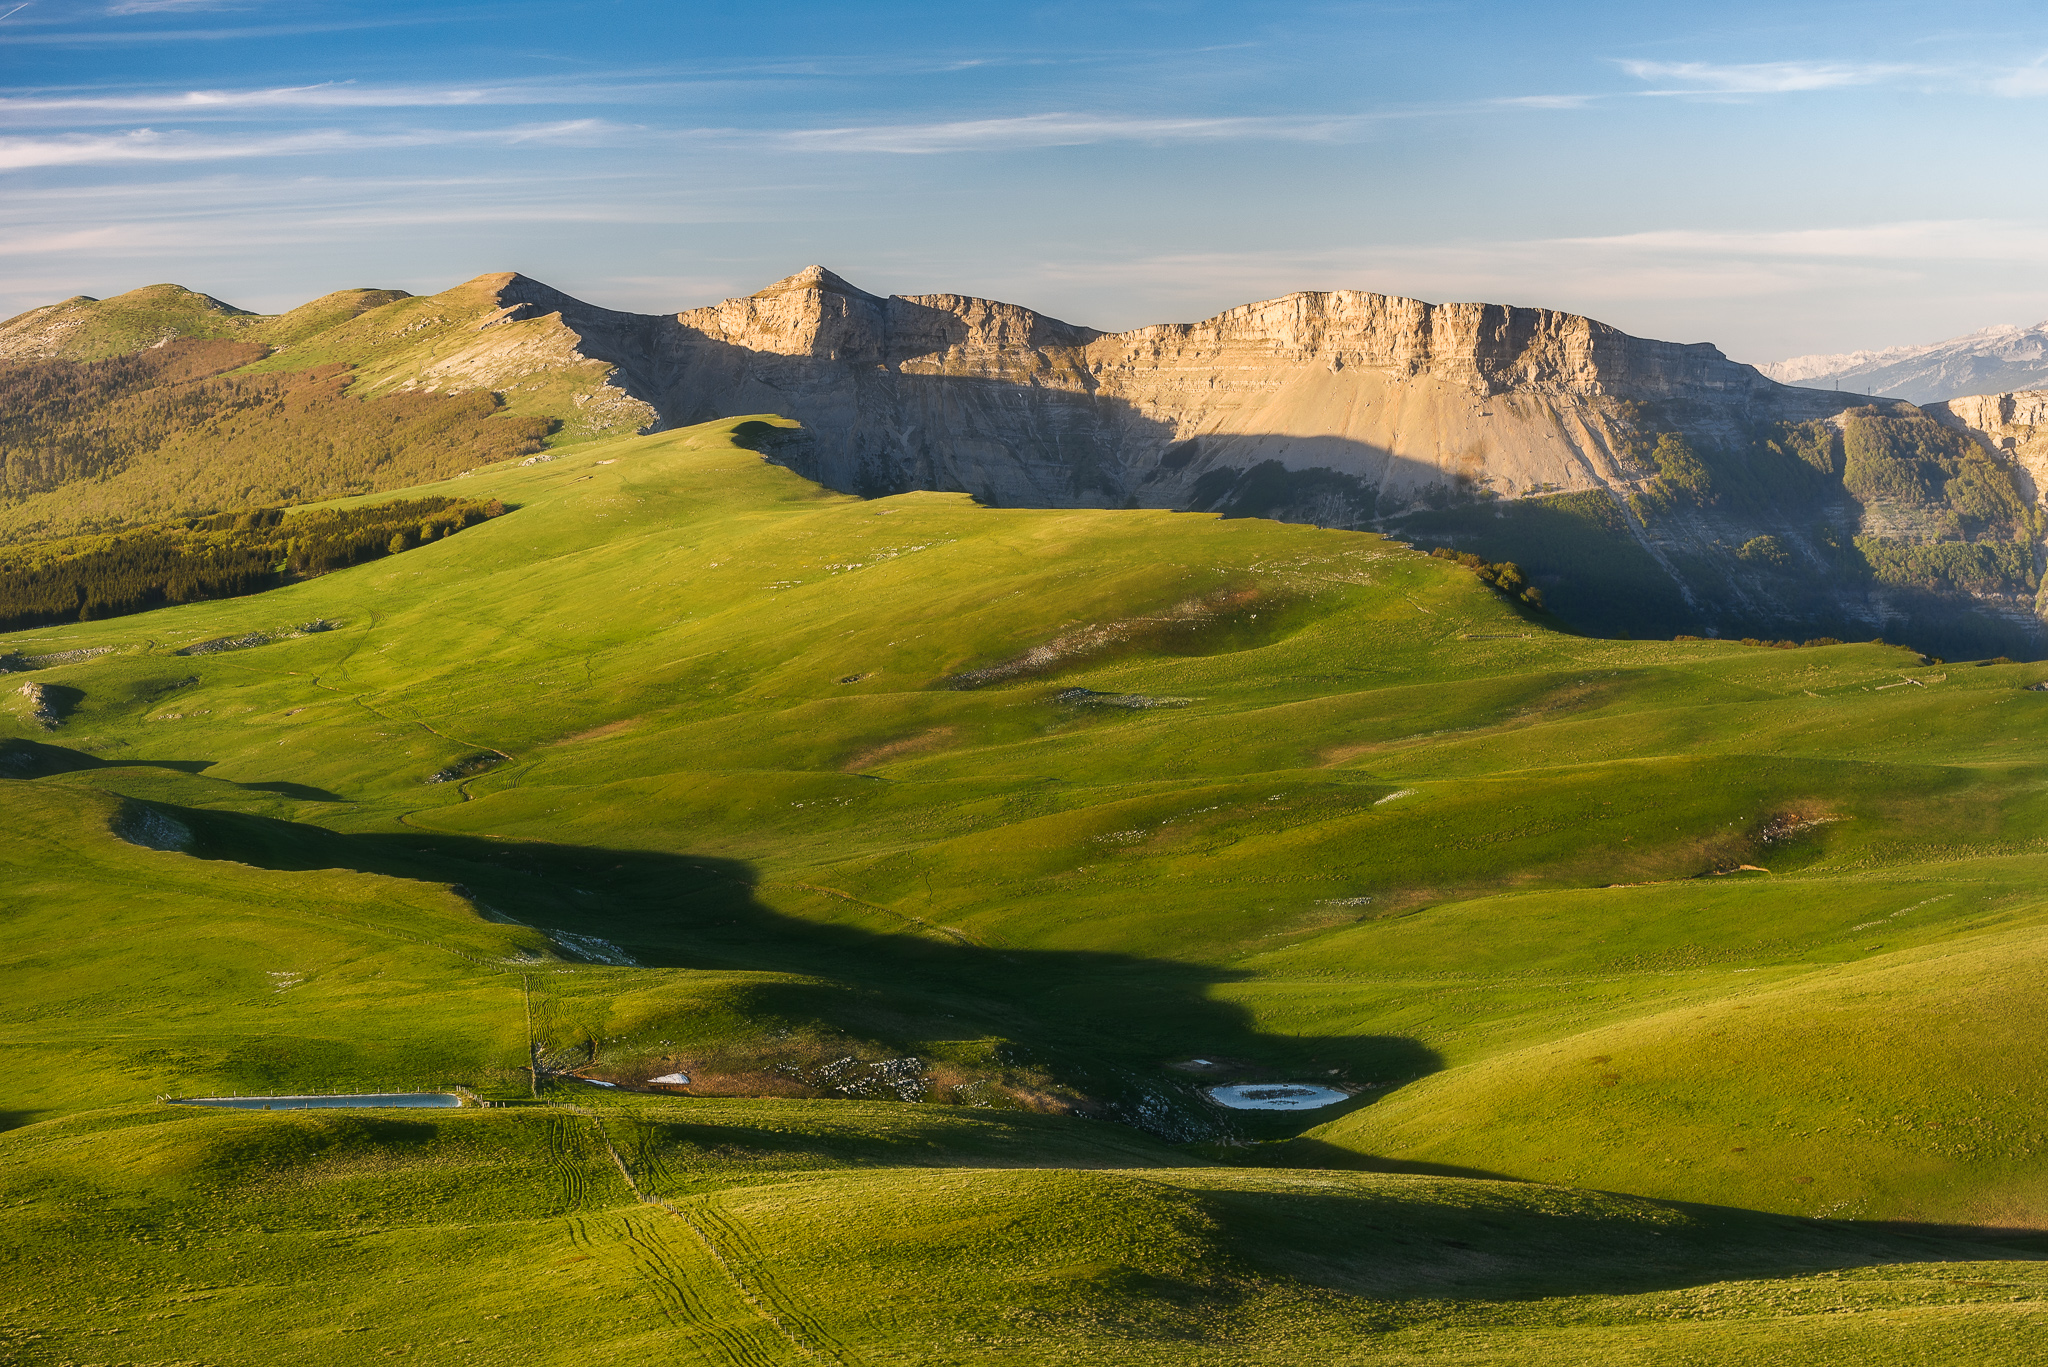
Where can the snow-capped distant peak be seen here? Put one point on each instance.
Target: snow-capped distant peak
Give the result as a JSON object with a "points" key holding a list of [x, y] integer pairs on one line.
{"points": [[1993, 360]]}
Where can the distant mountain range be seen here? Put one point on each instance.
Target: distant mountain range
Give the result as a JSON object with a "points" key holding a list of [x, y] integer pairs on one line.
{"points": [[1997, 360], [1646, 487]]}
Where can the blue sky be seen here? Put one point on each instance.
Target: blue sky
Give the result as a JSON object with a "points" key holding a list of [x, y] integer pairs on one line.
{"points": [[1777, 178]]}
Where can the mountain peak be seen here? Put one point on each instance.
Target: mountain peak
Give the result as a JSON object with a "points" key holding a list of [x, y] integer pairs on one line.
{"points": [[814, 278]]}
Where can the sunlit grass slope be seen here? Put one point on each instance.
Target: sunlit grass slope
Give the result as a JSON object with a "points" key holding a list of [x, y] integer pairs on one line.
{"points": [[689, 763], [847, 1232]]}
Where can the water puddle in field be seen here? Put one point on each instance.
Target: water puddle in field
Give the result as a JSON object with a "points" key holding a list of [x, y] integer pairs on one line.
{"points": [[304, 1103], [1276, 1096]]}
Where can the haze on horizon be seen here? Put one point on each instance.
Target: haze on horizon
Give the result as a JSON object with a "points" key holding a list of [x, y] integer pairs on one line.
{"points": [[1776, 179]]}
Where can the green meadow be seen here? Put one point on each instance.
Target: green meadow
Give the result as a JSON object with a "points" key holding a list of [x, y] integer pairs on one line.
{"points": [[1685, 994]]}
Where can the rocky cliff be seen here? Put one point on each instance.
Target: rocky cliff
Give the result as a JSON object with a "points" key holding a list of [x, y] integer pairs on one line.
{"points": [[1648, 486], [1391, 401]]}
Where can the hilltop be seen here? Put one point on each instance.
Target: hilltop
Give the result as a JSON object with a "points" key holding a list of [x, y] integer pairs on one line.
{"points": [[86, 329], [1680, 992]]}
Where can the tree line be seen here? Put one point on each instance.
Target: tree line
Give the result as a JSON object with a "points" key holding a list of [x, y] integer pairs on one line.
{"points": [[227, 555]]}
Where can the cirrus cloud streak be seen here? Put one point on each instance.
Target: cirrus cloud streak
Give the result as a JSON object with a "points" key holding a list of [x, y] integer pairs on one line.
{"points": [[149, 145]]}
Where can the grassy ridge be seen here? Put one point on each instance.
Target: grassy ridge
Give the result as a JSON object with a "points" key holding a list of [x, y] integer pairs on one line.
{"points": [[169, 432], [1053, 803]]}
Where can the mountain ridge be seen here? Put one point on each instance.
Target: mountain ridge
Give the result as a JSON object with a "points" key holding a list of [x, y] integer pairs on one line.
{"points": [[2003, 357], [1648, 486]]}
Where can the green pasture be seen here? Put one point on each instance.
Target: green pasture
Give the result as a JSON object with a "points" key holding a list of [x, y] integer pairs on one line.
{"points": [[749, 1232], [687, 763]]}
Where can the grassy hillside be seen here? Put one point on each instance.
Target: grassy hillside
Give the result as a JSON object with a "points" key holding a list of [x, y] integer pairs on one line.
{"points": [[783, 1232], [175, 431], [87, 329], [166, 403], [952, 851], [489, 334]]}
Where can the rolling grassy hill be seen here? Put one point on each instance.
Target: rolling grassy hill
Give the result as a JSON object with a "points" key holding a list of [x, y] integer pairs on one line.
{"points": [[87, 329], [167, 403], [952, 851]]}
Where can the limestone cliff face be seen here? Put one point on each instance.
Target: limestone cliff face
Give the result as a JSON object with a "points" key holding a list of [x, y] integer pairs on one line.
{"points": [[1408, 399], [2014, 424]]}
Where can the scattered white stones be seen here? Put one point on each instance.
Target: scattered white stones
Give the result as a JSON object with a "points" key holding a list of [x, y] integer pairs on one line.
{"points": [[1276, 1096], [1135, 702], [590, 949]]}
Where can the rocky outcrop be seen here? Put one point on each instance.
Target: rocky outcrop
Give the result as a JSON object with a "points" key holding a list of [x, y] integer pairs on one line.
{"points": [[2013, 424], [39, 707]]}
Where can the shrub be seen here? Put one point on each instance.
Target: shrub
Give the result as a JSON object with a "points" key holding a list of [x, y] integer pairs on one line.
{"points": [[1766, 552], [1505, 577], [1682, 479]]}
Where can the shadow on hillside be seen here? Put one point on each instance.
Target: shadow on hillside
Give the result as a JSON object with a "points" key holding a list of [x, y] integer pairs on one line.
{"points": [[1107, 1025], [885, 412], [36, 759], [1403, 1243]]}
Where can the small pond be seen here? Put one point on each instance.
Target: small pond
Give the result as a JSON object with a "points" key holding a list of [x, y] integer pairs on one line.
{"points": [[301, 1103], [1276, 1096]]}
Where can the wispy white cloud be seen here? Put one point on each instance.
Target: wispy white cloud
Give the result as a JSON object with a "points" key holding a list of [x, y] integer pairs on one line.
{"points": [[1547, 101], [1639, 274], [329, 95], [1969, 239], [1762, 78], [1712, 79], [1054, 130], [2022, 82], [1574, 276], [149, 145], [326, 95], [51, 34], [100, 239], [171, 6]]}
